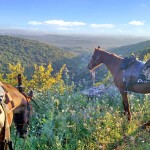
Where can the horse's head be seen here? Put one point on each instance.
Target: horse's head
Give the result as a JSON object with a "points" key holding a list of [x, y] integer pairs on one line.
{"points": [[22, 115], [96, 59]]}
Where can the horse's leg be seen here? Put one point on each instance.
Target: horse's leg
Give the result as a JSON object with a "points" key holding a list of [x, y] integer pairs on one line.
{"points": [[3, 145], [126, 104]]}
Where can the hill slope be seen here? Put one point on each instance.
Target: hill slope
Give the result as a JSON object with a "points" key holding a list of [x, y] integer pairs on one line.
{"points": [[134, 48], [13, 50]]}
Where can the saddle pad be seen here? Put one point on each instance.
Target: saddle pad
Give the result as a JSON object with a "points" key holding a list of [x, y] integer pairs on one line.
{"points": [[2, 93], [126, 62], [145, 75], [132, 73]]}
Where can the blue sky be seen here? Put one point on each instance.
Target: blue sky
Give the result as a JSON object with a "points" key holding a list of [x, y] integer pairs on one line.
{"points": [[99, 17]]}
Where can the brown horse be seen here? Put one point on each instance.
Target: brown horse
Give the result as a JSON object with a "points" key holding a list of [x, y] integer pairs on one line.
{"points": [[13, 106], [113, 63]]}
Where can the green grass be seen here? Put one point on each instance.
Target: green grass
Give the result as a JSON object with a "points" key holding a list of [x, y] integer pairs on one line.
{"points": [[72, 122]]}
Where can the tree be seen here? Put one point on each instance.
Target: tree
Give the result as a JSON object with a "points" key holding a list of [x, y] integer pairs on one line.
{"points": [[42, 78]]}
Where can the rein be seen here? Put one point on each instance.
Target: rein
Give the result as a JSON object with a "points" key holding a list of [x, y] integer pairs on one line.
{"points": [[93, 78]]}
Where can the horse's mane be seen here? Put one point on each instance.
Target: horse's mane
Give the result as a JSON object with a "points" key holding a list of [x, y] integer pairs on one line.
{"points": [[114, 55], [8, 87], [14, 93]]}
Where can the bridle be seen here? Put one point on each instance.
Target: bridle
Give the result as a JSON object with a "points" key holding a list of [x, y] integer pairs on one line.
{"points": [[96, 59], [19, 122]]}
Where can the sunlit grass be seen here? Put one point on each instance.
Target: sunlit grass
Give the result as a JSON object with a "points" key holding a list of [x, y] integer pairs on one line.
{"points": [[72, 122]]}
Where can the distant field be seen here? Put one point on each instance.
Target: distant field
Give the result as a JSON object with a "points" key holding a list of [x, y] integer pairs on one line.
{"points": [[77, 41]]}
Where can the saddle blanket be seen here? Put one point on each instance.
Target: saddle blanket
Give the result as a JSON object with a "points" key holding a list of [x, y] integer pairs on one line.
{"points": [[135, 71], [144, 76], [2, 115]]}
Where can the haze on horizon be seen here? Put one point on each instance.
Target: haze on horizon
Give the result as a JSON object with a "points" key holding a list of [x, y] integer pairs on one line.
{"points": [[87, 17]]}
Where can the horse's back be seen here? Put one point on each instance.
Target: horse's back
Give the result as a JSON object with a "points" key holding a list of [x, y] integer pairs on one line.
{"points": [[13, 99], [13, 92]]}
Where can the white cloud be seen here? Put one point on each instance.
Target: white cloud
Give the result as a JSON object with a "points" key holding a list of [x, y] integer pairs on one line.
{"points": [[102, 25], [136, 23], [61, 23], [68, 28], [35, 22], [64, 23]]}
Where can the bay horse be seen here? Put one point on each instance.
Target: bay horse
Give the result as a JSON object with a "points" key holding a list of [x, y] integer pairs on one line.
{"points": [[14, 106], [113, 63]]}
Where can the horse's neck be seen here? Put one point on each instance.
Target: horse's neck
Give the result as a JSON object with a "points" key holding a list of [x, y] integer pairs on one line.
{"points": [[112, 62], [14, 95]]}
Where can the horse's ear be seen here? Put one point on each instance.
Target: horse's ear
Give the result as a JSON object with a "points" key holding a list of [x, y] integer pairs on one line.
{"points": [[30, 94]]}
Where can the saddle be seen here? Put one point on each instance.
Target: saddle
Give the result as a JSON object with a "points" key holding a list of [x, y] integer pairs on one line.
{"points": [[135, 71], [145, 74]]}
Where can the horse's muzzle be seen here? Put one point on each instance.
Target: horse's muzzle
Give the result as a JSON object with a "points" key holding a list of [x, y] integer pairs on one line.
{"points": [[22, 134]]}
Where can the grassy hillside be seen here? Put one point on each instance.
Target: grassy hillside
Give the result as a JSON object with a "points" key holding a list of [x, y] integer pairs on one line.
{"points": [[72, 122], [134, 48], [13, 50]]}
